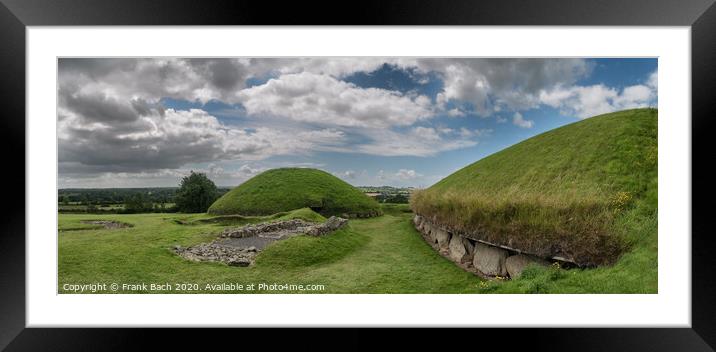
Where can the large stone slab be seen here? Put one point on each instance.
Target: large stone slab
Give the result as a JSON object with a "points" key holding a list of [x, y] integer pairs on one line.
{"points": [[517, 263], [460, 249], [441, 236], [420, 223], [490, 260], [428, 229]]}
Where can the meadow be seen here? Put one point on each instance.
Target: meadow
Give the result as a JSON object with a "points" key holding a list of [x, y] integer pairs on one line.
{"points": [[377, 255], [383, 254]]}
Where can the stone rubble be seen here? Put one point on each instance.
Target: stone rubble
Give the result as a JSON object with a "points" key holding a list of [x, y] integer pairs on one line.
{"points": [[332, 224], [219, 251], [107, 224], [215, 252], [271, 229]]}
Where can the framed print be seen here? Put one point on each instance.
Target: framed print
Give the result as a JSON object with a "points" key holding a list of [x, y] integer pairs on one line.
{"points": [[501, 165]]}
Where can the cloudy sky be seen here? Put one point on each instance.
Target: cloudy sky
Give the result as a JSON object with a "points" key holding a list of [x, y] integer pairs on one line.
{"points": [[370, 121]]}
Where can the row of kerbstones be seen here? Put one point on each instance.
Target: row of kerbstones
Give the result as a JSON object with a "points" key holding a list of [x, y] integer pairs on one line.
{"points": [[489, 260]]}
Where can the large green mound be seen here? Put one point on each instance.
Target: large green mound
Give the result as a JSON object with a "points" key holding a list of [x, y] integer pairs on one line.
{"points": [[561, 193], [285, 189]]}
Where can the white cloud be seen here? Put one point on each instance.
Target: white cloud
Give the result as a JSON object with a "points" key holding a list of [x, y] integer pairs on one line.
{"points": [[176, 138], [350, 174], [588, 101], [313, 98], [418, 141], [467, 133], [161, 177], [406, 174], [455, 112], [653, 81], [519, 121], [492, 85]]}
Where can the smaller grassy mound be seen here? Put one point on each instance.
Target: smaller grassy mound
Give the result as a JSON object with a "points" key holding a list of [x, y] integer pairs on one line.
{"points": [[563, 192], [286, 189]]}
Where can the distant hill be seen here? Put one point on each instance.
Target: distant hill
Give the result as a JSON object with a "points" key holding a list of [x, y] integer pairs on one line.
{"points": [[285, 189], [570, 191]]}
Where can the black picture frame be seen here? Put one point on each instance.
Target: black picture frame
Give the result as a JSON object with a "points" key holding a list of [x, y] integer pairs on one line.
{"points": [[700, 15]]}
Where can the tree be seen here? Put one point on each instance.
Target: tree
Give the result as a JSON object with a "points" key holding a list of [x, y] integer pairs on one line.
{"points": [[137, 203], [196, 193]]}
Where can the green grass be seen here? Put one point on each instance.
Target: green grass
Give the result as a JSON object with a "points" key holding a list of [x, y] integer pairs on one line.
{"points": [[378, 255], [73, 222], [573, 190], [285, 189]]}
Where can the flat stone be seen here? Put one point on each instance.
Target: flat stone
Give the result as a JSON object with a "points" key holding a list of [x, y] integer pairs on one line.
{"points": [[442, 237], [517, 263], [240, 262], [460, 249], [490, 260]]}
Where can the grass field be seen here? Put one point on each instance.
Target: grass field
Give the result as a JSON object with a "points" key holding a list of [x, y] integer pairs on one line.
{"points": [[377, 255], [575, 190], [285, 189]]}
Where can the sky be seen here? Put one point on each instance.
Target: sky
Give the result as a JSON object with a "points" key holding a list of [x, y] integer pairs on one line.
{"points": [[404, 122]]}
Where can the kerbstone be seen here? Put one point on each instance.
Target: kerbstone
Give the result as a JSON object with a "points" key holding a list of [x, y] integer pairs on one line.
{"points": [[490, 260], [460, 249], [517, 263]]}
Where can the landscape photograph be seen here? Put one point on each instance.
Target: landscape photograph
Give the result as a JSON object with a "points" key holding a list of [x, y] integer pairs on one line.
{"points": [[357, 175]]}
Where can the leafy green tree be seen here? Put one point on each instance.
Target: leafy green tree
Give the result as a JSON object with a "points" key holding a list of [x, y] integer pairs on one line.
{"points": [[196, 193], [137, 203]]}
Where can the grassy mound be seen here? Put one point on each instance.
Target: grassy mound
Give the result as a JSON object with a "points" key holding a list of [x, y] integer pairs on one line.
{"points": [[285, 189], [571, 191]]}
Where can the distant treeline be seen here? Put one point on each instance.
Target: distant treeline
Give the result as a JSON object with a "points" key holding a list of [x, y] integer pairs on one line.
{"points": [[162, 199], [120, 200], [388, 194]]}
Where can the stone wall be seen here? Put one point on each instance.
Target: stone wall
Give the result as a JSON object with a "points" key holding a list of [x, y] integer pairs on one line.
{"points": [[482, 258]]}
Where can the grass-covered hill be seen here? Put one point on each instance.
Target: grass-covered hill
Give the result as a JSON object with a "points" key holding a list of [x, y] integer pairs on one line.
{"points": [[285, 189], [586, 191]]}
